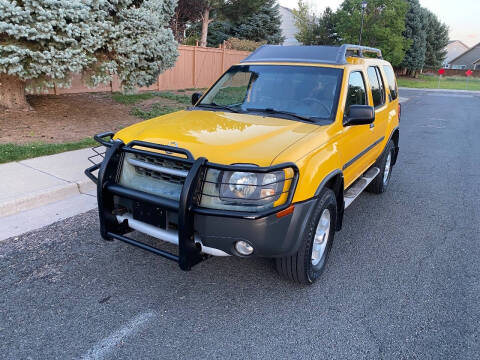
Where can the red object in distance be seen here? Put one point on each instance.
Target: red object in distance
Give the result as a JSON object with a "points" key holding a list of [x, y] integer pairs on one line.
{"points": [[441, 71], [468, 72]]}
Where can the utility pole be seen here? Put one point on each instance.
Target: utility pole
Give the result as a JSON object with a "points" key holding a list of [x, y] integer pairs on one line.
{"points": [[364, 5]]}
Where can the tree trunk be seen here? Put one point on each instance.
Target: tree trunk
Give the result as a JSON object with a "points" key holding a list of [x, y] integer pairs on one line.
{"points": [[205, 22], [12, 93]]}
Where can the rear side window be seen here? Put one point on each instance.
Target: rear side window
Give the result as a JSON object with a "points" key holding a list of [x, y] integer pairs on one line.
{"points": [[356, 94], [376, 84], [392, 83]]}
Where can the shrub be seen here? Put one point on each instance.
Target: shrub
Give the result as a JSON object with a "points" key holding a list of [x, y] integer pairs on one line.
{"points": [[243, 45]]}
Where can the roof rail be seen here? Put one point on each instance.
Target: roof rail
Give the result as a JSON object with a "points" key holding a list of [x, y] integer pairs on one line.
{"points": [[313, 54], [346, 48]]}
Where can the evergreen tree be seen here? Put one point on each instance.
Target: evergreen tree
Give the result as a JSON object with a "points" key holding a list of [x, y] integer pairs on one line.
{"points": [[416, 32], [384, 24], [437, 40], [256, 20], [315, 30], [46, 41], [263, 24]]}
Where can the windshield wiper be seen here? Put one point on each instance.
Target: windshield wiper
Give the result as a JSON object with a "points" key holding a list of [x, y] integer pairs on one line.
{"points": [[281, 112], [215, 106]]}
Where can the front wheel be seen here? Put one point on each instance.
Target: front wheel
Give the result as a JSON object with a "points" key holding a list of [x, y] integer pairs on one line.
{"points": [[307, 264]]}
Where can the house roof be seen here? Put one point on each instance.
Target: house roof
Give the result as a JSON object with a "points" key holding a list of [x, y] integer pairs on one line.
{"points": [[286, 8], [464, 53], [459, 41]]}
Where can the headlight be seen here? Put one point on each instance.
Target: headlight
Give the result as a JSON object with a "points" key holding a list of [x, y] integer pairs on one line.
{"points": [[241, 184], [244, 191]]}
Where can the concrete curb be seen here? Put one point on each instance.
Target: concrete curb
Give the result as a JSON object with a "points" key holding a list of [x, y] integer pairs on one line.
{"points": [[44, 197], [36, 182], [38, 198]]}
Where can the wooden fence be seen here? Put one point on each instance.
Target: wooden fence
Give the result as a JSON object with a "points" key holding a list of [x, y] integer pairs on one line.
{"points": [[196, 67]]}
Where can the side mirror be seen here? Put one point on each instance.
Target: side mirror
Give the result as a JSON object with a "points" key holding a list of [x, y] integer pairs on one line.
{"points": [[195, 97], [359, 115]]}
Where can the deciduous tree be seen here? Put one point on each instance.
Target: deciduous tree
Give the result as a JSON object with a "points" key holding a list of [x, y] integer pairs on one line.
{"points": [[384, 24], [187, 11]]}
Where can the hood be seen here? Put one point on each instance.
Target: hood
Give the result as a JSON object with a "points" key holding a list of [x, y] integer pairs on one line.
{"points": [[221, 137]]}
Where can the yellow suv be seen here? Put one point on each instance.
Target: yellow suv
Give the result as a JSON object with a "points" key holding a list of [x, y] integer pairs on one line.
{"points": [[263, 164]]}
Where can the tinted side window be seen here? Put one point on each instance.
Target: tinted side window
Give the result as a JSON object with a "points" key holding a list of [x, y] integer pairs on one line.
{"points": [[356, 94], [378, 91], [382, 85], [392, 84]]}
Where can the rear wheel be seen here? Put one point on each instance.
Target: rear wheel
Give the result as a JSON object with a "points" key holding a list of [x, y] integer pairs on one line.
{"points": [[307, 264], [385, 164]]}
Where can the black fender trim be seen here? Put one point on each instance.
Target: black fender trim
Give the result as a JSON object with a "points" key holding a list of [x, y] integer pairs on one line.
{"points": [[397, 148], [340, 199]]}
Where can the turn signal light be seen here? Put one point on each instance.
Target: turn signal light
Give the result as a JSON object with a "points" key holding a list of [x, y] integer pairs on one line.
{"points": [[286, 212]]}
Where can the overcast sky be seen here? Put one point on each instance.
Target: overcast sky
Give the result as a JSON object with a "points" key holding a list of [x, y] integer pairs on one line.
{"points": [[462, 16]]}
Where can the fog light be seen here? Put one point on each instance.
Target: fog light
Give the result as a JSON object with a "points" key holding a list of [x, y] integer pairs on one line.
{"points": [[243, 248]]}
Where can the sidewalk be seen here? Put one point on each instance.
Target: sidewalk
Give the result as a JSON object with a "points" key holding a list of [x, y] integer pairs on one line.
{"points": [[32, 183]]}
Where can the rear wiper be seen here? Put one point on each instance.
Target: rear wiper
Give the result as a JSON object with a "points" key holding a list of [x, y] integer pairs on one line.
{"points": [[215, 106], [281, 112]]}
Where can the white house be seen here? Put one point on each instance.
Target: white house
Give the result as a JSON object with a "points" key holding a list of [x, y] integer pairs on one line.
{"points": [[288, 26]]}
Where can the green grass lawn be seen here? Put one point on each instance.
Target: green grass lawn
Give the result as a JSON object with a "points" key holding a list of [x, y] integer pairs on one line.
{"points": [[231, 95], [431, 82], [15, 152], [155, 111], [130, 99], [180, 98]]}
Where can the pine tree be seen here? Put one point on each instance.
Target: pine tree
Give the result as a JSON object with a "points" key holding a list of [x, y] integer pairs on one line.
{"points": [[256, 20], [437, 40], [262, 25], [46, 41], [416, 32]]}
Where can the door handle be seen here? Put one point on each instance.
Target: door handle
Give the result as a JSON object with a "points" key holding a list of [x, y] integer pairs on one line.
{"points": [[372, 125]]}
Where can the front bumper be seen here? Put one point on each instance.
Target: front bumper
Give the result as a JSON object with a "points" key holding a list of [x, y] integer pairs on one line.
{"points": [[270, 236], [217, 229]]}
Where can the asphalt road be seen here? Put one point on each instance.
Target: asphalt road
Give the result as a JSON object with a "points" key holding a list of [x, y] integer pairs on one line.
{"points": [[403, 280]]}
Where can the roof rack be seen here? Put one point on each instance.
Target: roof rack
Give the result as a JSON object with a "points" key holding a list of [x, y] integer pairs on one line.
{"points": [[313, 54]]}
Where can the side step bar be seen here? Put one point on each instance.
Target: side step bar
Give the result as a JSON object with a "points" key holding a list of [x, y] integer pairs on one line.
{"points": [[358, 186]]}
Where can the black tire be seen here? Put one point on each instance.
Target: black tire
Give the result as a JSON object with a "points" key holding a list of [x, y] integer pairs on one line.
{"points": [[380, 184], [299, 267]]}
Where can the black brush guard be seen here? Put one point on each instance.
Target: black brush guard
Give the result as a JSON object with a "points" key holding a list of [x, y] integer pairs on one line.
{"points": [[189, 254]]}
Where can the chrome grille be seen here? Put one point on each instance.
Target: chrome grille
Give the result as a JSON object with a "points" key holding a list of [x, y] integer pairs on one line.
{"points": [[177, 175]]}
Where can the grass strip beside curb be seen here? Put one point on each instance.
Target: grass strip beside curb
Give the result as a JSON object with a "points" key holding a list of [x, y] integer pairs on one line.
{"points": [[433, 82], [16, 152]]}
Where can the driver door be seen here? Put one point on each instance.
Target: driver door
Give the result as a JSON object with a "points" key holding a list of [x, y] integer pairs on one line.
{"points": [[356, 140]]}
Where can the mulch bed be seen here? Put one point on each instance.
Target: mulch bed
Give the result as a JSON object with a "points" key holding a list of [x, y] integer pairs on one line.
{"points": [[67, 118]]}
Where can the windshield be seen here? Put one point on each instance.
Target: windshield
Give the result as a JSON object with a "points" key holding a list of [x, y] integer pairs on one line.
{"points": [[304, 92]]}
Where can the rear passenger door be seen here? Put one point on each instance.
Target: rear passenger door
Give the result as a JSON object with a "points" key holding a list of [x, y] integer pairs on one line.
{"points": [[379, 102]]}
